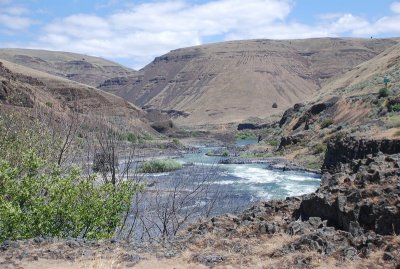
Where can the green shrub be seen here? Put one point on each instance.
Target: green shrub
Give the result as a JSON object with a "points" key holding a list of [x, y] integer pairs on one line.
{"points": [[131, 137], [49, 104], [394, 108], [273, 142], [384, 92], [326, 123], [177, 142], [319, 148], [247, 134], [225, 153], [159, 166], [37, 200]]}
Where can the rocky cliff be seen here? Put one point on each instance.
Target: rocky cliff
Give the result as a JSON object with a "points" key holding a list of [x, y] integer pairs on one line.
{"points": [[360, 187]]}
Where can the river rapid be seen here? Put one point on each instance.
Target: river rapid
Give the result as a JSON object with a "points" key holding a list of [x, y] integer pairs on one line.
{"points": [[239, 184]]}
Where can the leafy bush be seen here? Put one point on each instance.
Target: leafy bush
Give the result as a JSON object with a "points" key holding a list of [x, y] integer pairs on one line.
{"points": [[384, 92], [159, 166], [319, 148], [225, 153], [394, 108], [326, 123], [36, 200]]}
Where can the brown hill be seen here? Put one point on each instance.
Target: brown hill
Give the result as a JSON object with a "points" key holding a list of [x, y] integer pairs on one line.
{"points": [[25, 89], [232, 81], [354, 100], [356, 104], [85, 69]]}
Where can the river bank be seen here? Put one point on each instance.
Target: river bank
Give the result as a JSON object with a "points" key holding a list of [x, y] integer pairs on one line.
{"points": [[351, 221]]}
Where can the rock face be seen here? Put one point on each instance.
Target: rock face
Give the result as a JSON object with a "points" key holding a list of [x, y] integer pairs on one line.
{"points": [[347, 149], [251, 126], [290, 140], [360, 187], [311, 115]]}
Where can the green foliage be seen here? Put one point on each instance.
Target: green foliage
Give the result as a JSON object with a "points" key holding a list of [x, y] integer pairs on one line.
{"points": [[49, 104], [384, 92], [19, 135], [273, 142], [394, 107], [319, 148], [132, 138], [159, 166], [225, 153], [37, 200], [326, 123], [245, 134], [177, 142]]}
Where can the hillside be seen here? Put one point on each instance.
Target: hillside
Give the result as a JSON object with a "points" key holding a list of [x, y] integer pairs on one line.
{"points": [[354, 101], [25, 89], [85, 69], [232, 81], [356, 104]]}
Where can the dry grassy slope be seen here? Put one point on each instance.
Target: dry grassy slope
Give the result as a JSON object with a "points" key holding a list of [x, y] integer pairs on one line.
{"points": [[358, 110], [89, 70], [368, 76], [25, 88], [231, 81]]}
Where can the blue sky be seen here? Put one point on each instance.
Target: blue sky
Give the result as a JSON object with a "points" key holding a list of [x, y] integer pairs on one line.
{"points": [[134, 32]]}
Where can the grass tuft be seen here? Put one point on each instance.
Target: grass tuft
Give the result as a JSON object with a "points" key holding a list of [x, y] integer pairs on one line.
{"points": [[159, 166]]}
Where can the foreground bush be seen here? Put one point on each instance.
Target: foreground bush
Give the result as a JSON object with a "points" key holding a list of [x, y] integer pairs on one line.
{"points": [[159, 166], [38, 200]]}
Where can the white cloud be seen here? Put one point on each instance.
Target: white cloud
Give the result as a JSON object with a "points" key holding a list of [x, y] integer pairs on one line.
{"points": [[13, 18], [14, 22], [147, 30], [395, 7], [143, 31]]}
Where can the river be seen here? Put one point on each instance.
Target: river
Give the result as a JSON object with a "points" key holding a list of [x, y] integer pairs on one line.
{"points": [[241, 183]]}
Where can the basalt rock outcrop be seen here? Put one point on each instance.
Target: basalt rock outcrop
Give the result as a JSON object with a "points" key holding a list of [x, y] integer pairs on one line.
{"points": [[360, 187], [343, 151]]}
